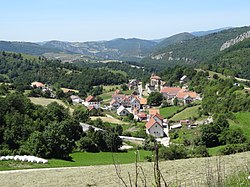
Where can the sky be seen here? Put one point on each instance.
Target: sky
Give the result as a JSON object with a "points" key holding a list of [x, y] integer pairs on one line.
{"points": [[90, 20]]}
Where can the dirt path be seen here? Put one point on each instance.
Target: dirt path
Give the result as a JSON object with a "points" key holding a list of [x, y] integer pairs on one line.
{"points": [[188, 172]]}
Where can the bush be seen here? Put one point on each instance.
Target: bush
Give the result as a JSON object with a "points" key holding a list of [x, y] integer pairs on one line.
{"points": [[5, 152], [86, 144], [234, 148], [173, 152], [201, 151], [232, 136]]}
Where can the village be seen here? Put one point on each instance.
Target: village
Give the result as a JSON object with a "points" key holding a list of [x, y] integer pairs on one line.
{"points": [[135, 105]]}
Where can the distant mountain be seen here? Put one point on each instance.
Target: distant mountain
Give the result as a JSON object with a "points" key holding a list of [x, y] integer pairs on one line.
{"points": [[114, 49], [193, 51], [26, 47], [174, 39], [204, 33], [177, 49]]}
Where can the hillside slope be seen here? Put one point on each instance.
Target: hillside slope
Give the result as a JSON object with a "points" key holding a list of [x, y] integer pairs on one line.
{"points": [[26, 47], [233, 61], [187, 172], [196, 50], [174, 39]]}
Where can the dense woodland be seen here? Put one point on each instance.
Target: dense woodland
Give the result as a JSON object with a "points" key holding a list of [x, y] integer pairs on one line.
{"points": [[131, 72], [234, 61], [15, 69], [49, 132]]}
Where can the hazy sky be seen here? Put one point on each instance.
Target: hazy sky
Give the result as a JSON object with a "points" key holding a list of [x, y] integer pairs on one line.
{"points": [[86, 20]]}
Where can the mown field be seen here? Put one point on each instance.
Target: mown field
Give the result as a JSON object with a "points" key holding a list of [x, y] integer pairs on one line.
{"points": [[166, 112], [80, 159], [242, 120], [108, 119], [187, 172], [187, 113], [45, 101]]}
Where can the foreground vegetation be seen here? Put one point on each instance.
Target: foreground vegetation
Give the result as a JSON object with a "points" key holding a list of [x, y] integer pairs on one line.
{"points": [[187, 172], [80, 159]]}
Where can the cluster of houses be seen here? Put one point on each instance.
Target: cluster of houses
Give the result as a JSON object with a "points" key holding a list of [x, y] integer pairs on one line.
{"points": [[43, 87], [90, 102], [126, 104], [182, 95]]}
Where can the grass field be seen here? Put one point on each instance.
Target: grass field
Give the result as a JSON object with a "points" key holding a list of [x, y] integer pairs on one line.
{"points": [[45, 101], [186, 172], [213, 151], [166, 112], [67, 89], [80, 159], [106, 96], [109, 119], [186, 114], [242, 121], [108, 88]]}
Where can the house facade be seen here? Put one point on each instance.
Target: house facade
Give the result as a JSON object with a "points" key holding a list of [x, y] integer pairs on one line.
{"points": [[122, 111], [154, 126]]}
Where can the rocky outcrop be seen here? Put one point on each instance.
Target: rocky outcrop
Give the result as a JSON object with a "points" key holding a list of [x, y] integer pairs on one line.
{"points": [[236, 40], [169, 57]]}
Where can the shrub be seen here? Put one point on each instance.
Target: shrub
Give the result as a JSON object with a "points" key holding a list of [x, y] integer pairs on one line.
{"points": [[234, 148], [201, 151], [173, 152]]}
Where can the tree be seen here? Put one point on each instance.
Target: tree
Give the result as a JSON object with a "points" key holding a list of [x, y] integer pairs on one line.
{"points": [[58, 142], [124, 87], [130, 117], [87, 144], [113, 141], [175, 101], [210, 135], [232, 136], [60, 94], [172, 152], [155, 98], [81, 114]]}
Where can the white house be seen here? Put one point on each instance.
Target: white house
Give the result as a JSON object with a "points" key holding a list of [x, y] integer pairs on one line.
{"points": [[122, 111], [91, 101], [183, 79], [154, 126], [135, 103], [114, 104], [75, 99]]}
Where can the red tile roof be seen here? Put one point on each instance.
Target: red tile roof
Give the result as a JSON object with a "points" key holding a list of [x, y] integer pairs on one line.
{"points": [[37, 84], [158, 116], [182, 94], [118, 95], [153, 111], [112, 102], [89, 98], [143, 101], [91, 108], [151, 122], [170, 90], [142, 115]]}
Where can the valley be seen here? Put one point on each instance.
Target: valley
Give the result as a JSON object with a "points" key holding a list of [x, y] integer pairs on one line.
{"points": [[181, 93]]}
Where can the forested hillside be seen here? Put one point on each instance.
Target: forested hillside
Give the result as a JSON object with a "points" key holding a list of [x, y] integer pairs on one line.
{"points": [[26, 47], [234, 61], [174, 39], [193, 51], [14, 68]]}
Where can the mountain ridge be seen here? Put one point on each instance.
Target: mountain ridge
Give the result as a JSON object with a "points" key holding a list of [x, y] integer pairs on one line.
{"points": [[134, 49]]}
